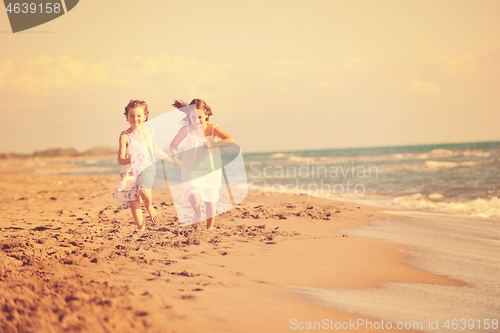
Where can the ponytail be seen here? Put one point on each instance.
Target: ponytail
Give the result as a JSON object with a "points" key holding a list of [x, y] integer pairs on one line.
{"points": [[198, 103], [179, 104]]}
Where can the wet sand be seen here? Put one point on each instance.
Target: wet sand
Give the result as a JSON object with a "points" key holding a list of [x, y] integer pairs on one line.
{"points": [[71, 261]]}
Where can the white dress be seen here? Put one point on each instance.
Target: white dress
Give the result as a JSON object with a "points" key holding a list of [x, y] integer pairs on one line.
{"points": [[140, 173], [201, 168]]}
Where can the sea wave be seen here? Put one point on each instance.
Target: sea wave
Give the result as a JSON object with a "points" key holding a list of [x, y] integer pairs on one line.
{"points": [[447, 165], [476, 153], [435, 202], [489, 207], [435, 153]]}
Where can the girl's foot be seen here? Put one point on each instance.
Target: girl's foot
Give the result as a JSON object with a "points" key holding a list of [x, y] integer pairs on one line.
{"points": [[142, 227], [196, 220], [152, 214], [210, 224]]}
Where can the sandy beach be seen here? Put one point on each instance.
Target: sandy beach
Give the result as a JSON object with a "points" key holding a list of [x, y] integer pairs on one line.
{"points": [[73, 262]]}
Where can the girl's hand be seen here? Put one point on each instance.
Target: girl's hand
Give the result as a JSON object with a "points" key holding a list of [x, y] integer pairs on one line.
{"points": [[208, 145], [176, 161]]}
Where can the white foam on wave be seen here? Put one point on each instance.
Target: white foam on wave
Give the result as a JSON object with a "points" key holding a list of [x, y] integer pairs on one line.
{"points": [[301, 159], [488, 208], [279, 155], [435, 202], [436, 153], [435, 196], [479, 153], [443, 153], [430, 165], [399, 166], [447, 165]]}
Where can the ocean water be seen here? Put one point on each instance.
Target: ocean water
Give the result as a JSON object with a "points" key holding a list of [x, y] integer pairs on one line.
{"points": [[459, 179]]}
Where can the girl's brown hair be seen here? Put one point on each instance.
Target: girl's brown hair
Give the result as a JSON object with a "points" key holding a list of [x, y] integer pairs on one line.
{"points": [[198, 103], [137, 103]]}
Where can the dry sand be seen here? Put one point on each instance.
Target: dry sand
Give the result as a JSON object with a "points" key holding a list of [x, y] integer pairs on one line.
{"points": [[72, 262]]}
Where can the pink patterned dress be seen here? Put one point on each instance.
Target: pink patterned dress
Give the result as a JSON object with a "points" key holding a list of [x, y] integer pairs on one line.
{"points": [[136, 175]]}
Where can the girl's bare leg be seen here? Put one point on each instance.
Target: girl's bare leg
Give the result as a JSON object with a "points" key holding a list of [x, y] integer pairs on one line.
{"points": [[148, 202], [211, 212], [194, 201], [135, 207]]}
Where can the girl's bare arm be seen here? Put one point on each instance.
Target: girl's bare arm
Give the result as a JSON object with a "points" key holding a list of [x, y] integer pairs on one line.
{"points": [[226, 138], [158, 152], [181, 135], [122, 160]]}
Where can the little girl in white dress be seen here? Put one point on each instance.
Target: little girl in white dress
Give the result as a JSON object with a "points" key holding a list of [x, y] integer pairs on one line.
{"points": [[201, 163], [201, 171]]}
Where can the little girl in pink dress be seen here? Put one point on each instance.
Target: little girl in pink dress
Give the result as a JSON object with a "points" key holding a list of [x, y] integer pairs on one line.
{"points": [[136, 154]]}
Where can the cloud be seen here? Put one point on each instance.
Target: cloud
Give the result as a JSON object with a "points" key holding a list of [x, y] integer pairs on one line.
{"points": [[44, 77], [424, 88], [466, 64], [373, 94]]}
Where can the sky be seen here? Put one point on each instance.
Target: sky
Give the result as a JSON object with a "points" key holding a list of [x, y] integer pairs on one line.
{"points": [[278, 75]]}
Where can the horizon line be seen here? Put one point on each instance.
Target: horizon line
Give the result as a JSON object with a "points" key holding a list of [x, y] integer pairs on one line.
{"points": [[278, 151], [368, 147]]}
